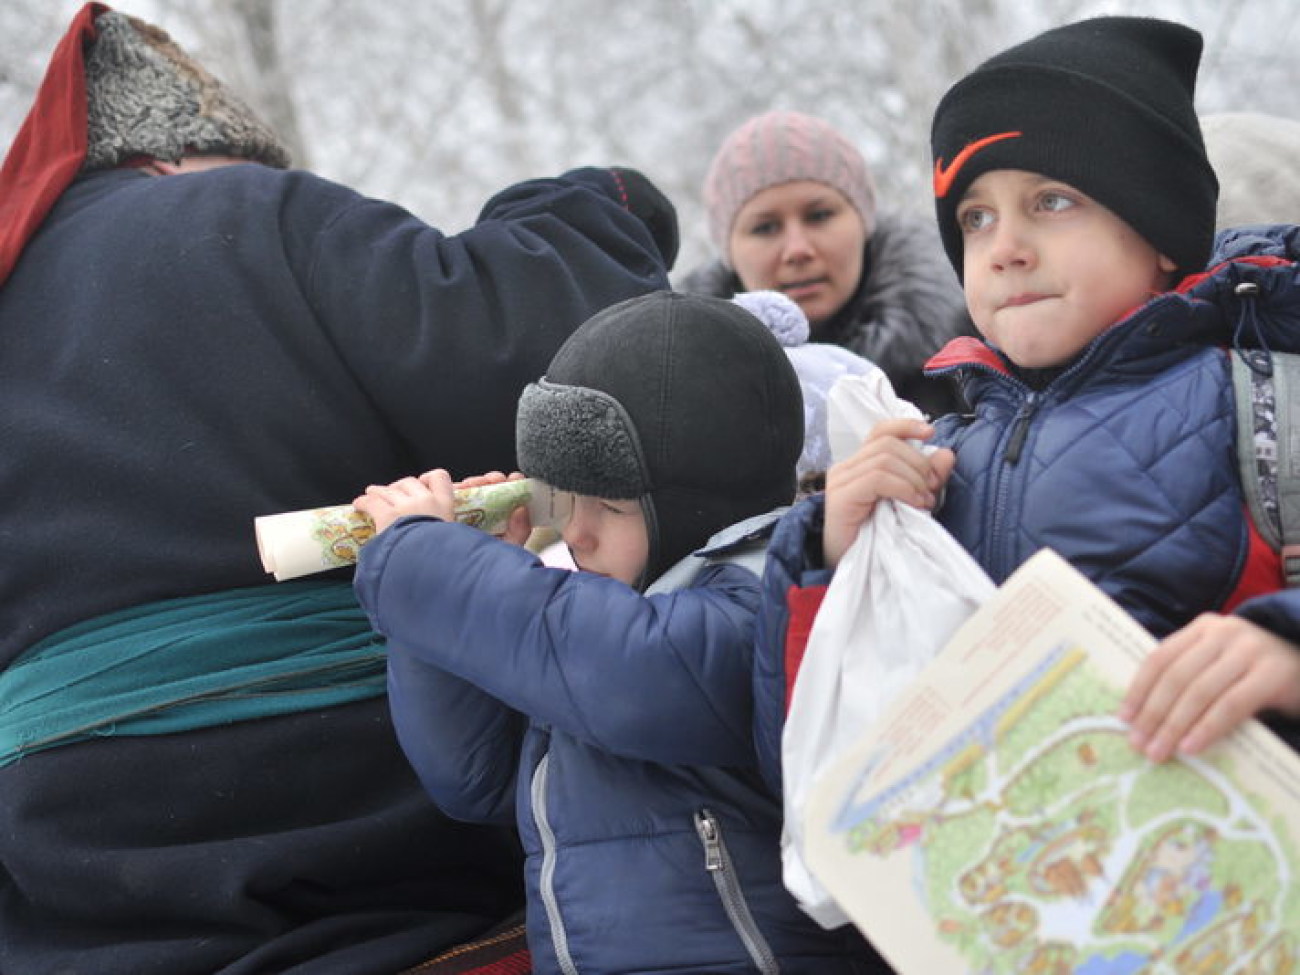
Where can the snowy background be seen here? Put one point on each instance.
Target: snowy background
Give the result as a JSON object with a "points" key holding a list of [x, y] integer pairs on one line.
{"points": [[437, 104]]}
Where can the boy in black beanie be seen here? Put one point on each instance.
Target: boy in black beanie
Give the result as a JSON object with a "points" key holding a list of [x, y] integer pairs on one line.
{"points": [[609, 709], [1076, 202]]}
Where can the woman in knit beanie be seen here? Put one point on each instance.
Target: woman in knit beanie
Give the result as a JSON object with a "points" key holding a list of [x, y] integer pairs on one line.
{"points": [[792, 208]]}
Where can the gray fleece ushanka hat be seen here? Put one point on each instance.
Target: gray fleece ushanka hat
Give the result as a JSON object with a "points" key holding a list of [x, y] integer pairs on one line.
{"points": [[685, 402]]}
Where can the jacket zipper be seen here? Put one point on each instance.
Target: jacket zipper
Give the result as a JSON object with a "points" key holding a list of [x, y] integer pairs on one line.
{"points": [[559, 936], [1001, 560], [717, 861], [1020, 429]]}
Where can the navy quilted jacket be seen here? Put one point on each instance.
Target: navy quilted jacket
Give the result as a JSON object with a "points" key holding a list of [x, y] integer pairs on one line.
{"points": [[1125, 463]]}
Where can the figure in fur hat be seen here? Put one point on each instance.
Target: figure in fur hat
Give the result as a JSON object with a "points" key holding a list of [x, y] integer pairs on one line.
{"points": [[198, 773], [609, 707], [792, 208], [1076, 201]]}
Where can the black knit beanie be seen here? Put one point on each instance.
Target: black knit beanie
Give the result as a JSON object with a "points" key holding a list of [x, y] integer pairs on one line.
{"points": [[1105, 105], [684, 401]]}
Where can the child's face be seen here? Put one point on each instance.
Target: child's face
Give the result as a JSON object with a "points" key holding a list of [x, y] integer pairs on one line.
{"points": [[608, 537], [803, 239], [1047, 268]]}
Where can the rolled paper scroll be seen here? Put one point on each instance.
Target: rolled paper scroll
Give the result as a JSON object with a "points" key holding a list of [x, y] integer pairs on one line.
{"points": [[299, 543]]}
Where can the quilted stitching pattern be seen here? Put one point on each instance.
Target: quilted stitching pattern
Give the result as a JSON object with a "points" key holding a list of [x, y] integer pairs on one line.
{"points": [[1127, 470]]}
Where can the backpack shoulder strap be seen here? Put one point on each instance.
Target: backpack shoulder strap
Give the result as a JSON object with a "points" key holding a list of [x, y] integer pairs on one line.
{"points": [[1270, 466], [744, 544]]}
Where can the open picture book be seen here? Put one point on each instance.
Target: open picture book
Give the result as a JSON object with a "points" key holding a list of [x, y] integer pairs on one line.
{"points": [[997, 820]]}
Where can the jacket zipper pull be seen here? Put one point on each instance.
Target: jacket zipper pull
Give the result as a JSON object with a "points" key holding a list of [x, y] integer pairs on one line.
{"points": [[1020, 432], [718, 863], [707, 827]]}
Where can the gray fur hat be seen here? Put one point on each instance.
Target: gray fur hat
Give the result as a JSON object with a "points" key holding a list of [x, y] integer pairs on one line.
{"points": [[147, 97], [1255, 158], [685, 402]]}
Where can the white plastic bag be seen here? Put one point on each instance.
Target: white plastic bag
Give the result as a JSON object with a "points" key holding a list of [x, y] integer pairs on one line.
{"points": [[899, 593]]}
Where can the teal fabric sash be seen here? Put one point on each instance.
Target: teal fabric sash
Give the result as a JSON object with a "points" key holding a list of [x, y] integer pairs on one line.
{"points": [[190, 663]]}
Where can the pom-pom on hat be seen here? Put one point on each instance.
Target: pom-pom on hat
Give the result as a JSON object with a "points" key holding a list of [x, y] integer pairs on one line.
{"points": [[780, 313], [1105, 105], [683, 401], [818, 365], [782, 147]]}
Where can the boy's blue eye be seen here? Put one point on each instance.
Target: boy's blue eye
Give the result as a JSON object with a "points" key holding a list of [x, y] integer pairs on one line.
{"points": [[766, 228], [820, 215], [1054, 201], [974, 219]]}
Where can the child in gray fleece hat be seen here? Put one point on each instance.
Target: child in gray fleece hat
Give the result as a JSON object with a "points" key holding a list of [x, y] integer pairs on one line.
{"points": [[607, 711]]}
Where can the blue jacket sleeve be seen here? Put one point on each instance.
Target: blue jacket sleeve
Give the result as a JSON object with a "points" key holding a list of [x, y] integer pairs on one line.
{"points": [[789, 565], [433, 325], [463, 744], [1279, 613], [663, 678]]}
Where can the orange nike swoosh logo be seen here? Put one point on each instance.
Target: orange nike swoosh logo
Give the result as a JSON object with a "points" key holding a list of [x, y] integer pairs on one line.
{"points": [[944, 177]]}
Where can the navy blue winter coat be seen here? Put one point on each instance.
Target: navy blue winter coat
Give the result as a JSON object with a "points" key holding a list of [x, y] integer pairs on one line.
{"points": [[1125, 463], [179, 354], [615, 727]]}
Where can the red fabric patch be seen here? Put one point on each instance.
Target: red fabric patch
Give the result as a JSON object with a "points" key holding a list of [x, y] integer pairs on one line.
{"points": [[505, 953], [803, 604], [966, 350], [520, 963], [1259, 260], [1262, 573], [50, 147]]}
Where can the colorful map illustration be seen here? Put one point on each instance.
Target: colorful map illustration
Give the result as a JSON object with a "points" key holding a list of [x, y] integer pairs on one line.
{"points": [[1038, 841]]}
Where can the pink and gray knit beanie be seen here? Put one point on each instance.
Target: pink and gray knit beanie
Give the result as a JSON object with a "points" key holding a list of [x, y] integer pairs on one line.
{"points": [[782, 147]]}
